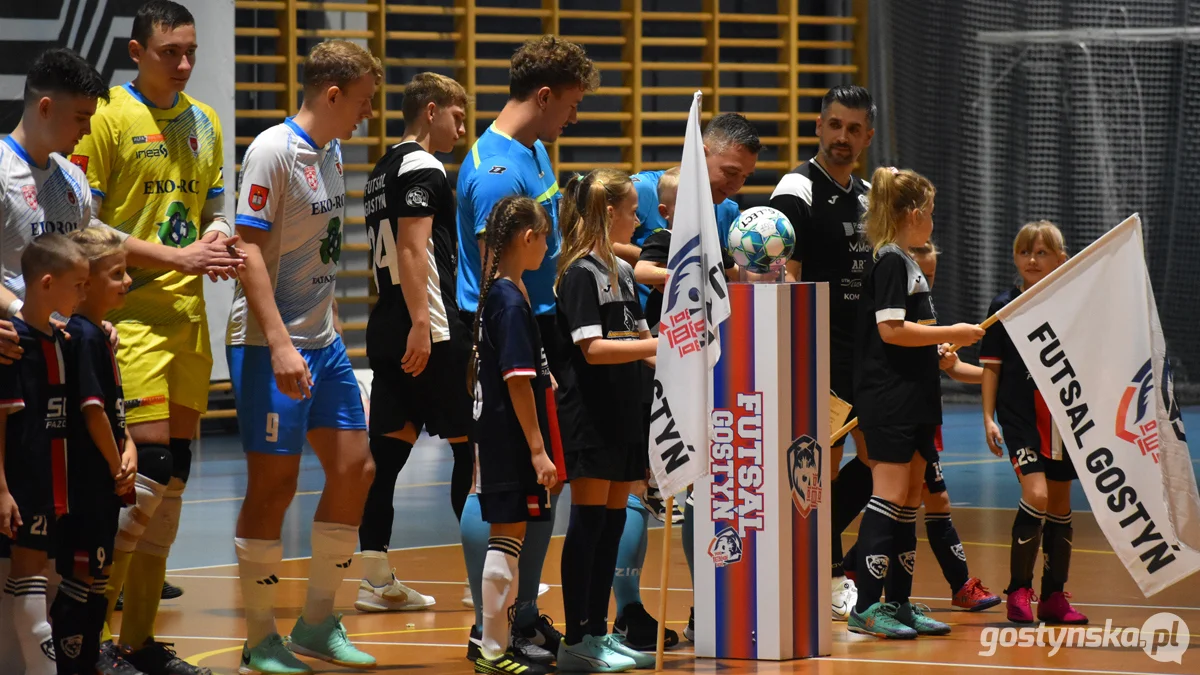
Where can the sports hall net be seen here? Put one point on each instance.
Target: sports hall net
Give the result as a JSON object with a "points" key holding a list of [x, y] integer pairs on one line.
{"points": [[1077, 111]]}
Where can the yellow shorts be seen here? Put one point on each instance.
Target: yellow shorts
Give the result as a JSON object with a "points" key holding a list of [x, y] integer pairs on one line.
{"points": [[161, 365]]}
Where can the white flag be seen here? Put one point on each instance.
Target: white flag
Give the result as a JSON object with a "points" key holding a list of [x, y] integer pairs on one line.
{"points": [[1090, 336], [695, 302]]}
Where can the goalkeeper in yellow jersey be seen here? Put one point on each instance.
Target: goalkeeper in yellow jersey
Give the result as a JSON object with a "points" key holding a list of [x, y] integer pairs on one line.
{"points": [[154, 163]]}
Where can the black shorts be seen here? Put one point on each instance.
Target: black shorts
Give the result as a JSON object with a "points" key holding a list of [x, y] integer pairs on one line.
{"points": [[531, 505], [1028, 460], [38, 531], [934, 481], [436, 400], [86, 536], [899, 443], [617, 465]]}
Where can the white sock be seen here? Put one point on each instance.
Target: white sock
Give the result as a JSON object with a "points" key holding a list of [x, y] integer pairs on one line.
{"points": [[257, 561], [499, 591], [377, 569], [11, 660], [333, 547], [29, 620]]}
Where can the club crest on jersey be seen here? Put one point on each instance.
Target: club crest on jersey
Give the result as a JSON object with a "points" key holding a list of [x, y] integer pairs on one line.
{"points": [[80, 161], [71, 197], [194, 145], [338, 163], [310, 175], [726, 547], [417, 196], [30, 193], [864, 202], [258, 197], [804, 474]]}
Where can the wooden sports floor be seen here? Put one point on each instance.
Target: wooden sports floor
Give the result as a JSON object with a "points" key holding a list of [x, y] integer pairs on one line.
{"points": [[206, 624]]}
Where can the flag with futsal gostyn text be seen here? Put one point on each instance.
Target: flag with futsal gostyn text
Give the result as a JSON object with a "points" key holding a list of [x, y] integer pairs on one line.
{"points": [[1090, 335], [695, 302]]}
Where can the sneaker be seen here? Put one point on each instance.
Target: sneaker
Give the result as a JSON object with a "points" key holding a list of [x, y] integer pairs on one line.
{"points": [[475, 644], [592, 655], [327, 641], [158, 658], [1057, 609], [392, 597], [523, 648], [171, 592], [542, 633], [543, 589], [657, 506], [640, 630], [510, 663], [913, 615], [112, 660], [640, 659], [1020, 607], [845, 596], [689, 633], [880, 620], [467, 600], [271, 657], [974, 597]]}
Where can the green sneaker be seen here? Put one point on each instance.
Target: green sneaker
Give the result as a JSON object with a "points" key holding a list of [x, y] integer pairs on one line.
{"points": [[271, 657], [328, 642], [616, 642], [913, 615], [592, 655], [880, 620]]}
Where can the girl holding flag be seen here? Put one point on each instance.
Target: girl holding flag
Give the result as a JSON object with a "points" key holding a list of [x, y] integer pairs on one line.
{"points": [[600, 409]]}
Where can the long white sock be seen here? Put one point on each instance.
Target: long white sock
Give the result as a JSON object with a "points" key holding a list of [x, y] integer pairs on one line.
{"points": [[377, 569], [29, 620], [499, 591], [11, 660], [333, 547], [258, 559]]}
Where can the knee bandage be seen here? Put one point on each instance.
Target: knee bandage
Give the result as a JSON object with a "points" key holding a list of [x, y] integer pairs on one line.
{"points": [[134, 519], [164, 524]]}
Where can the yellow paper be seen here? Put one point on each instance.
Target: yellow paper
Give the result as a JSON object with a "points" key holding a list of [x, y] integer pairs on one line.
{"points": [[839, 410]]}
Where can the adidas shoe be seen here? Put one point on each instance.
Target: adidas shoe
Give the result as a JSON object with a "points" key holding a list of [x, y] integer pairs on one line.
{"points": [[880, 620], [271, 657], [640, 630], [592, 655], [510, 663], [328, 642], [913, 615], [393, 597], [845, 596]]}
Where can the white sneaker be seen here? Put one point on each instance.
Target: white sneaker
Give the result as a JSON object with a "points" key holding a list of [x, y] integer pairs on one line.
{"points": [[467, 600], [543, 589], [845, 596], [394, 597]]}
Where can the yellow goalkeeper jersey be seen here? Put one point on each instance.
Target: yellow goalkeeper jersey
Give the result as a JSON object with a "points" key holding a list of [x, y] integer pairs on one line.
{"points": [[154, 168]]}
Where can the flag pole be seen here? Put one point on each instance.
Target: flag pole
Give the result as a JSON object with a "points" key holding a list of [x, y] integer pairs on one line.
{"points": [[663, 579]]}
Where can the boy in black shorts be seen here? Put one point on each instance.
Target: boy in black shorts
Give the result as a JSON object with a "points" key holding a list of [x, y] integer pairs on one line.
{"points": [[33, 439], [102, 459]]}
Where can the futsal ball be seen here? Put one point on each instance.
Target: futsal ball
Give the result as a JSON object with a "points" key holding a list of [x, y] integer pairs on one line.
{"points": [[761, 240]]}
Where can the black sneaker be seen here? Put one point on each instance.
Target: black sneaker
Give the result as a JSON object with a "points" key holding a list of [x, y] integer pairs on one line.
{"points": [[640, 630], [511, 664], [112, 660], [525, 649], [689, 633], [474, 643], [158, 658], [542, 633], [170, 592]]}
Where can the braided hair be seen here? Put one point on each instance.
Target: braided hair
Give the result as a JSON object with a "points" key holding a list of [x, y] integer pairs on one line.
{"points": [[508, 219]]}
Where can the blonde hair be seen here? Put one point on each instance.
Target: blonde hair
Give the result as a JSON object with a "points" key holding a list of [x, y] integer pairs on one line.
{"points": [[585, 220], [49, 253], [97, 243], [668, 184], [338, 63], [1051, 236], [426, 88], [894, 193]]}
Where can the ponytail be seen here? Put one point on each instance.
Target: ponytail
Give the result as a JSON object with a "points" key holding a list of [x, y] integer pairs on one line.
{"points": [[585, 220], [894, 193]]}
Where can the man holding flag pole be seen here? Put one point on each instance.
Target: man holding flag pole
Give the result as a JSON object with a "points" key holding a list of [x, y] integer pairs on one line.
{"points": [[695, 303]]}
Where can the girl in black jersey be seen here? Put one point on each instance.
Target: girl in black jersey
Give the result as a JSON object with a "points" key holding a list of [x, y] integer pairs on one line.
{"points": [[898, 395], [600, 409], [514, 404], [1034, 446]]}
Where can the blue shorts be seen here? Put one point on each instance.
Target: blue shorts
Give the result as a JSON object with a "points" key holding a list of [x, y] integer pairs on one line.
{"points": [[271, 422]]}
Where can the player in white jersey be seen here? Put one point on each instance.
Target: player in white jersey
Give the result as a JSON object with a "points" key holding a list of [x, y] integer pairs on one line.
{"points": [[291, 376]]}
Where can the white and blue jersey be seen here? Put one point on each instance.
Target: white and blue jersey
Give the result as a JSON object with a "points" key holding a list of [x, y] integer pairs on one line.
{"points": [[499, 166], [35, 200], [294, 190]]}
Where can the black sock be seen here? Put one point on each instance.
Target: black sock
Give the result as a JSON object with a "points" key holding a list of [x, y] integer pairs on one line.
{"points": [[578, 559], [603, 571], [1056, 551], [70, 628], [850, 560], [948, 549], [1026, 540], [876, 537], [461, 476], [851, 491], [904, 559], [97, 609], [390, 455]]}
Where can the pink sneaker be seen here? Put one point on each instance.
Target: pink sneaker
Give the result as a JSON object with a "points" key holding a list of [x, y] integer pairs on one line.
{"points": [[1020, 608], [974, 597], [1057, 609]]}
